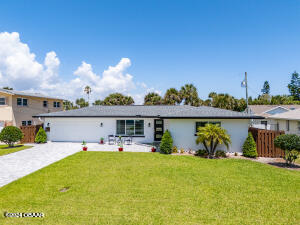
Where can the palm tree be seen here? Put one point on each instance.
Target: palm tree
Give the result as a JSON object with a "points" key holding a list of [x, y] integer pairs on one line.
{"points": [[88, 91], [81, 103], [189, 95], [153, 98], [211, 136], [172, 97], [118, 99]]}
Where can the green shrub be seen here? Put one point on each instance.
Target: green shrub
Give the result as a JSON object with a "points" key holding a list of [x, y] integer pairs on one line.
{"points": [[10, 134], [174, 149], [220, 154], [202, 153], [166, 143], [41, 136], [249, 147], [290, 143]]}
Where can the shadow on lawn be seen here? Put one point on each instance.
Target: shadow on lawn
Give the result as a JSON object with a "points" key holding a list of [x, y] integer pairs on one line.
{"points": [[15, 146], [284, 165]]}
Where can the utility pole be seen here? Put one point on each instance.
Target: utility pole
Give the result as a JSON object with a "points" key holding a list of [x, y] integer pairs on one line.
{"points": [[246, 84]]}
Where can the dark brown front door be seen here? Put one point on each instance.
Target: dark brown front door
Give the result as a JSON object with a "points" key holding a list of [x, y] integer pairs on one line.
{"points": [[158, 129]]}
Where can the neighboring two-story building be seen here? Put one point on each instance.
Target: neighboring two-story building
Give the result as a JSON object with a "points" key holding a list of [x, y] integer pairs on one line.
{"points": [[17, 108]]}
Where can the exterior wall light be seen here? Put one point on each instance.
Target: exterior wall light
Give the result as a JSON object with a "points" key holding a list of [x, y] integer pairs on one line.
{"points": [[149, 124], [101, 124]]}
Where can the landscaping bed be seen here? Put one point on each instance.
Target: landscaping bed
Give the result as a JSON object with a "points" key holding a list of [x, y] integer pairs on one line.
{"points": [[143, 188], [5, 149]]}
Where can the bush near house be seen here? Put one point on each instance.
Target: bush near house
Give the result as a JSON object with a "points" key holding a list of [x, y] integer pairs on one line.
{"points": [[41, 136], [249, 147], [10, 135], [220, 154], [290, 143], [166, 143], [202, 153]]}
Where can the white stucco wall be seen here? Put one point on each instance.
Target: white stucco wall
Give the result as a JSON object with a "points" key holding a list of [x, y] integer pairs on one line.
{"points": [[89, 130], [183, 132]]}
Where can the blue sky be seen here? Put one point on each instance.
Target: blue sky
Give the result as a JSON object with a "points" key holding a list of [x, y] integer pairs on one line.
{"points": [[169, 43]]}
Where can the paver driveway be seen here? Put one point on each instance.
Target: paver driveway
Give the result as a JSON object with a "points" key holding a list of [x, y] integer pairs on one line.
{"points": [[16, 165]]}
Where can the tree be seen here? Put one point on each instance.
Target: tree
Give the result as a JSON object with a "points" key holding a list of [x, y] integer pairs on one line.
{"points": [[249, 147], [266, 88], [211, 136], [294, 86], [118, 99], [290, 143], [10, 134], [81, 103], [153, 98], [88, 91], [8, 88], [189, 95], [98, 102], [172, 97], [166, 144], [41, 136], [68, 105]]}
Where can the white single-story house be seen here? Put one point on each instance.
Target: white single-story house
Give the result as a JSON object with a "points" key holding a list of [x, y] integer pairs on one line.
{"points": [[146, 124]]}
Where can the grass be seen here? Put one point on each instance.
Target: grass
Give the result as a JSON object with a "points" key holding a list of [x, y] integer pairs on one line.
{"points": [[150, 188], [4, 149]]}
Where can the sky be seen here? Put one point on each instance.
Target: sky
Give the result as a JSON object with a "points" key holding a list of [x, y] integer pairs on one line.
{"points": [[135, 47]]}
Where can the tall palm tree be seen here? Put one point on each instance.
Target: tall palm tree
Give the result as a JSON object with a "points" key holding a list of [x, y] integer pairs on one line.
{"points": [[118, 99], [172, 97], [211, 136], [189, 95], [88, 91], [153, 98]]}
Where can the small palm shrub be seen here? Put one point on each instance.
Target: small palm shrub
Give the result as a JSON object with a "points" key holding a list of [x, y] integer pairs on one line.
{"points": [[166, 143], [249, 147], [41, 136], [220, 154], [202, 153], [290, 143], [10, 135]]}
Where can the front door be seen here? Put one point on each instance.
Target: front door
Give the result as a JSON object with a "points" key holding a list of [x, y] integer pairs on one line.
{"points": [[158, 129]]}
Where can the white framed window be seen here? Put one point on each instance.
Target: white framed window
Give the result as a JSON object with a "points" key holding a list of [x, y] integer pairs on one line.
{"points": [[130, 127], [2, 101], [56, 104], [26, 122], [287, 125], [45, 103], [22, 102]]}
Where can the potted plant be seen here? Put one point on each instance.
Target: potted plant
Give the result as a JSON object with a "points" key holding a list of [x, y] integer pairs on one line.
{"points": [[84, 147], [102, 140], [153, 149], [120, 148]]}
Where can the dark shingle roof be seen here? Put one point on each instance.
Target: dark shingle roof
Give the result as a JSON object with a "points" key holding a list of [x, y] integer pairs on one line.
{"points": [[23, 93], [161, 111]]}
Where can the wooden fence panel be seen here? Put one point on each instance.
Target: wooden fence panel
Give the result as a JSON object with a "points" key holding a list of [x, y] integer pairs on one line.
{"points": [[265, 142], [29, 133]]}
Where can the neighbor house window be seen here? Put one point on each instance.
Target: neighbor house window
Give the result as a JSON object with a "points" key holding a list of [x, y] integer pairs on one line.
{"points": [[130, 127], [298, 126], [45, 103], [26, 122], [264, 123], [56, 104], [2, 101], [203, 123], [22, 101], [287, 125]]}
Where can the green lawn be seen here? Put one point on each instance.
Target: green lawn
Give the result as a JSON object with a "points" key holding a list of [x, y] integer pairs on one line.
{"points": [[4, 149], [149, 188]]}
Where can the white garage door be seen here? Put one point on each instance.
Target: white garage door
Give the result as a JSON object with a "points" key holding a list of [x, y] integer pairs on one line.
{"points": [[76, 131]]}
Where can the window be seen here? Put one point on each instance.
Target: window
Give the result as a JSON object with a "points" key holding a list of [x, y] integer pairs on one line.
{"points": [[298, 126], [265, 123], [26, 123], [130, 127], [287, 125], [56, 104], [203, 123], [45, 103], [2, 101], [22, 102]]}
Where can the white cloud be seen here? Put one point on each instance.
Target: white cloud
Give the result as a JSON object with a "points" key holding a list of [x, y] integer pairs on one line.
{"points": [[20, 69]]}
